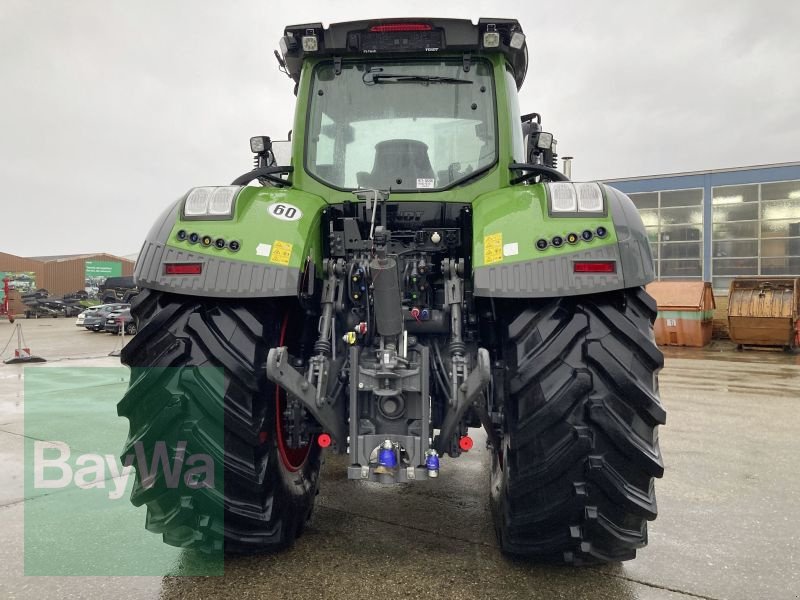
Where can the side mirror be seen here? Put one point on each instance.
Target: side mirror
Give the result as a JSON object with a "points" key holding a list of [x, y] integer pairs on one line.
{"points": [[531, 122], [540, 145]]}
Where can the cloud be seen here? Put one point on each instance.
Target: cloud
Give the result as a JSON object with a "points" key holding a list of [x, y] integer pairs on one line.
{"points": [[111, 109]]}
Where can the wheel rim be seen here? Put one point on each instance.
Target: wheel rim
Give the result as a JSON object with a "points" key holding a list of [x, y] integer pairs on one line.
{"points": [[497, 474], [292, 458]]}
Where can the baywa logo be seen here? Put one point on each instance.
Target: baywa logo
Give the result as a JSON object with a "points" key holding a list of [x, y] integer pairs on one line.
{"points": [[55, 466], [98, 491]]}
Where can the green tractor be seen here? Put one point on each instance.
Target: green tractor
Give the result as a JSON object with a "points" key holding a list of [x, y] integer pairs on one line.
{"points": [[417, 268]]}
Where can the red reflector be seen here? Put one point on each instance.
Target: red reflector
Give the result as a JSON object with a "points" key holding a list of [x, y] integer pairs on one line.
{"points": [[183, 268], [394, 27], [595, 266], [466, 443], [324, 440]]}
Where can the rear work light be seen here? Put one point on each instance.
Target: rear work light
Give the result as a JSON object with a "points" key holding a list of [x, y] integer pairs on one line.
{"points": [[210, 203], [183, 268], [491, 38], [595, 266], [572, 198], [396, 27], [310, 41]]}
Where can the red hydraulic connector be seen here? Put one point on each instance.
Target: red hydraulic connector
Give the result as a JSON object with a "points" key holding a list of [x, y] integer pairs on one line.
{"points": [[324, 440], [466, 443]]}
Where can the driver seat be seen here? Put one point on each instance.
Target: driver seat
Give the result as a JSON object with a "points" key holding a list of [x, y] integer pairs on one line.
{"points": [[404, 160]]}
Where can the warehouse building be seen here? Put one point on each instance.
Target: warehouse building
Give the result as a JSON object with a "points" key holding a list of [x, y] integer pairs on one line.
{"points": [[62, 274], [718, 224]]}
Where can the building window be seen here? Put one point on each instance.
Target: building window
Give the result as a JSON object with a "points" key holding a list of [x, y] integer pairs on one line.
{"points": [[755, 231], [674, 224]]}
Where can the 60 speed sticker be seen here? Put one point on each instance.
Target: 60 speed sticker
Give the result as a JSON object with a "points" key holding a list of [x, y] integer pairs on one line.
{"points": [[285, 212]]}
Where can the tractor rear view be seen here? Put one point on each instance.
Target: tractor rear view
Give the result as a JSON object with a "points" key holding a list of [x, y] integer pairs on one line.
{"points": [[418, 268]]}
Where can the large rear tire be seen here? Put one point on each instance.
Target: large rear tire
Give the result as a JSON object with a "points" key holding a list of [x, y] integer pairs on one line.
{"points": [[573, 480], [266, 500]]}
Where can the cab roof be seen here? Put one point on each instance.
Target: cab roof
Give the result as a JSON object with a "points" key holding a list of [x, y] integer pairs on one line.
{"points": [[411, 36]]}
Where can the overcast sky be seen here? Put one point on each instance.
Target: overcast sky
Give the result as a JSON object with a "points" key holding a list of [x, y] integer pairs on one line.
{"points": [[110, 109]]}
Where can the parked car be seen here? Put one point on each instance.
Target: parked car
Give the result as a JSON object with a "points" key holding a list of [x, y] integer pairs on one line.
{"points": [[118, 288], [81, 317], [96, 321], [121, 319]]}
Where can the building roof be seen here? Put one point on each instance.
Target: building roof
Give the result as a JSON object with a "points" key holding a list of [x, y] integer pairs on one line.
{"points": [[707, 180], [65, 257], [706, 172]]}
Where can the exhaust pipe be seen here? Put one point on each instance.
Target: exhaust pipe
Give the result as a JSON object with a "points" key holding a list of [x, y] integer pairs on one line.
{"points": [[568, 166]]}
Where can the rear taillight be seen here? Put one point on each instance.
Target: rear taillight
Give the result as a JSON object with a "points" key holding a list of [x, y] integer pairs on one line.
{"points": [[183, 268], [397, 27], [595, 266]]}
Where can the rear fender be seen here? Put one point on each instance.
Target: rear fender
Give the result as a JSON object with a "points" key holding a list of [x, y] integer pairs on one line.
{"points": [[507, 263], [278, 233]]}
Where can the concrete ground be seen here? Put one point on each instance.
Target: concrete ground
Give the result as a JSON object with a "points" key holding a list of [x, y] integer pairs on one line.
{"points": [[728, 524]]}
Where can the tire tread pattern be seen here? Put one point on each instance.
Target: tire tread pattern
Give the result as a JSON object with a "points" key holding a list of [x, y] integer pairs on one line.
{"points": [[581, 435], [263, 507]]}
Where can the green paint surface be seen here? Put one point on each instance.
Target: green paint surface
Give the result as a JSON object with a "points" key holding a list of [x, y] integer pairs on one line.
{"points": [[256, 229], [519, 214]]}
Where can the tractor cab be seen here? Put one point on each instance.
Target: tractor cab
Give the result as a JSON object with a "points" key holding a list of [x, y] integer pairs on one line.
{"points": [[400, 124], [411, 105]]}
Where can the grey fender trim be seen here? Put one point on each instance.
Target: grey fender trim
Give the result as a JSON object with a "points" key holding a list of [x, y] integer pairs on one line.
{"points": [[220, 278], [547, 277], [634, 247]]}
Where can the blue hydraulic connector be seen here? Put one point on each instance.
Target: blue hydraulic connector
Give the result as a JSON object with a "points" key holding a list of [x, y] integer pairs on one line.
{"points": [[387, 457], [432, 463]]}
